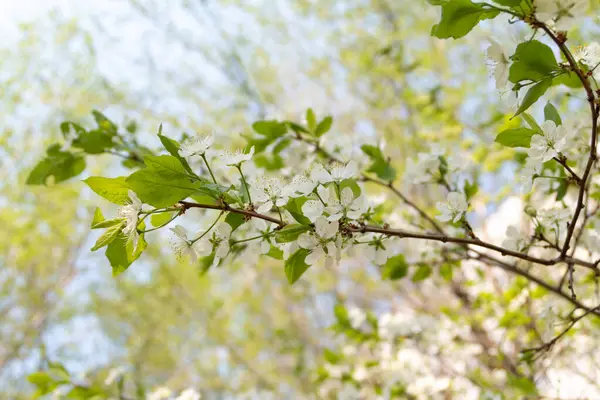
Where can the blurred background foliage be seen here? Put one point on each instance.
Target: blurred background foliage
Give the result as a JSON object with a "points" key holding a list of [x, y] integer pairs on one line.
{"points": [[218, 66]]}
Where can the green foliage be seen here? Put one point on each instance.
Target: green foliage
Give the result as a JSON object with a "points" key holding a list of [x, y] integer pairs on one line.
{"points": [[109, 235], [163, 182], [290, 233], [57, 166], [173, 147], [295, 265], [533, 94], [423, 272], [532, 61], [380, 167], [114, 190], [551, 114], [121, 254], [459, 17], [395, 268], [516, 137]]}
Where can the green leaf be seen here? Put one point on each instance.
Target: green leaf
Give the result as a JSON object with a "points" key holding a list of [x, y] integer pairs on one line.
{"points": [[160, 219], [532, 124], [533, 94], [422, 273], [114, 190], [275, 253], [294, 207], [516, 137], [551, 114], [341, 314], [562, 189], [60, 165], [94, 142], [173, 148], [109, 235], [395, 268], [270, 129], [446, 271], [324, 126], [295, 265], [311, 120], [120, 253], [569, 79], [470, 189], [235, 220], [532, 61], [459, 17], [296, 127], [508, 3], [523, 384], [98, 217], [164, 182], [380, 166], [107, 223], [66, 127], [104, 123], [290, 233]]}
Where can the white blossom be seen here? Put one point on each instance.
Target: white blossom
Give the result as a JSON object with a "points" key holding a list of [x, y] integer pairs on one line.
{"points": [[336, 173], [376, 253], [220, 241], [348, 205], [313, 209], [515, 239], [320, 242], [301, 185], [357, 317], [547, 145], [184, 246], [114, 375], [236, 158], [130, 212], [196, 145], [421, 171], [499, 62], [162, 393], [563, 13], [266, 193], [288, 248], [528, 173], [188, 394], [555, 216], [454, 209]]}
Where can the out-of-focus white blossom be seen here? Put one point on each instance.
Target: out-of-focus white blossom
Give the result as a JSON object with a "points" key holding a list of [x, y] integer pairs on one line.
{"points": [[454, 209], [196, 145]]}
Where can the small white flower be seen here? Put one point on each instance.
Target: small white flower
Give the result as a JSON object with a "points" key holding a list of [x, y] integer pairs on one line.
{"points": [[563, 13], [555, 216], [288, 249], [454, 209], [220, 241], [589, 55], [184, 247], [352, 208], [337, 173], [313, 209], [196, 145], [162, 393], [321, 242], [546, 146], [301, 185], [515, 239], [188, 394], [130, 212], [267, 192], [499, 62], [526, 176], [421, 171], [236, 158], [114, 375], [376, 253], [357, 317], [360, 373]]}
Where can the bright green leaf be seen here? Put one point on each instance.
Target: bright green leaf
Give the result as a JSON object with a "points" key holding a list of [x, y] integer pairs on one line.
{"points": [[114, 190], [422, 273], [173, 148], [290, 233], [533, 94], [109, 235], [516, 137], [551, 114], [311, 120], [58, 166], [324, 126], [121, 255], [532, 61], [295, 265], [235, 220], [160, 219], [395, 268], [459, 17]]}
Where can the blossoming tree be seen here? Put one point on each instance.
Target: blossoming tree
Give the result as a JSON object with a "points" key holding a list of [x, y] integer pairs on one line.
{"points": [[258, 200]]}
